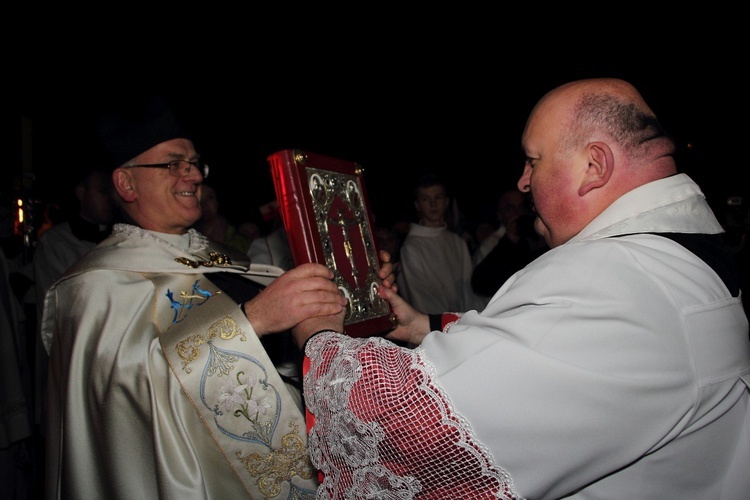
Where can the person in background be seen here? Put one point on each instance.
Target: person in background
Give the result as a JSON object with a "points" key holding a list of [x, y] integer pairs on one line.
{"points": [[16, 412], [161, 381], [509, 207], [88, 224], [734, 216], [517, 245], [58, 248], [250, 230], [272, 249], [435, 263], [615, 365], [482, 231], [70, 224], [216, 226]]}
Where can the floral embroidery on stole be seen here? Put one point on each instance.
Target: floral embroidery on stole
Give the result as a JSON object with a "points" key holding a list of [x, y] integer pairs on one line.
{"points": [[230, 381]]}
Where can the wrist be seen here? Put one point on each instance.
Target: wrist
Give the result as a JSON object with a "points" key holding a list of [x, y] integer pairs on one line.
{"points": [[256, 329]]}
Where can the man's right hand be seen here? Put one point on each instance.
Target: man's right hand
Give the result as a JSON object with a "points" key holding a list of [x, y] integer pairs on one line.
{"points": [[306, 291]]}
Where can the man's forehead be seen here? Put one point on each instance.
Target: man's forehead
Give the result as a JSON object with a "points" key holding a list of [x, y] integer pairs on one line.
{"points": [[435, 188], [547, 117]]}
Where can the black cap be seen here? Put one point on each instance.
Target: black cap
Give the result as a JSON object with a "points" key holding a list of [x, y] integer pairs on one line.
{"points": [[135, 126]]}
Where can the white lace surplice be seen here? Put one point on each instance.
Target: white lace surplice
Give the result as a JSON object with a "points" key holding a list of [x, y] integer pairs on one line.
{"points": [[395, 434]]}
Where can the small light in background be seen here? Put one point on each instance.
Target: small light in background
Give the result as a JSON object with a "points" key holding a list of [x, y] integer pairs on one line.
{"points": [[20, 211]]}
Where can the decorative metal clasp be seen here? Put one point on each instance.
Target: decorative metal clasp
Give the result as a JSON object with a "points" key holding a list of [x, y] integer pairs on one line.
{"points": [[217, 260], [187, 262]]}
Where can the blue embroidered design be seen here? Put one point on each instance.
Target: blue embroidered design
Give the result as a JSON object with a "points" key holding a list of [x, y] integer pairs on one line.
{"points": [[178, 307], [188, 299], [197, 293]]}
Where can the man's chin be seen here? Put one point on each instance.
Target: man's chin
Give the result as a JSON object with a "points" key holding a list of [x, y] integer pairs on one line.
{"points": [[191, 212]]}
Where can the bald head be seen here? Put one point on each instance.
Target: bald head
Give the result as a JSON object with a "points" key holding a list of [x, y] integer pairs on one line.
{"points": [[607, 109], [587, 143]]}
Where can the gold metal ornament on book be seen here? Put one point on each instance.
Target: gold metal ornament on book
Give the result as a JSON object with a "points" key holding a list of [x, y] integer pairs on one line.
{"points": [[342, 221]]}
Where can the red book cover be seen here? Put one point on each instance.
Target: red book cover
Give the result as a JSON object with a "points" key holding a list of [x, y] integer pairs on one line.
{"points": [[323, 205]]}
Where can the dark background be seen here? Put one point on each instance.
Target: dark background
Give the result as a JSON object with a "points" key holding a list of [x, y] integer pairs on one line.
{"points": [[401, 89], [459, 114]]}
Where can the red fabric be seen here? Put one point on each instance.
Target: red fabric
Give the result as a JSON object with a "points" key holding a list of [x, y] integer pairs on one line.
{"points": [[446, 318]]}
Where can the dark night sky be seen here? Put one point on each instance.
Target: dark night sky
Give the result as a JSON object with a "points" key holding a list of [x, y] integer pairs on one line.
{"points": [[462, 118]]}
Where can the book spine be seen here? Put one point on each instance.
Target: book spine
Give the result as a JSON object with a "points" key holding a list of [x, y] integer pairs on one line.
{"points": [[290, 184]]}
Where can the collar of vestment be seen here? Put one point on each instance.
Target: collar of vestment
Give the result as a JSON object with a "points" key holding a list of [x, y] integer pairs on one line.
{"points": [[420, 230], [674, 204], [133, 248]]}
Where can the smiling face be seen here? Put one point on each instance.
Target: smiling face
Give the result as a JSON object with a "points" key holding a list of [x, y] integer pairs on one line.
{"points": [[154, 198]]}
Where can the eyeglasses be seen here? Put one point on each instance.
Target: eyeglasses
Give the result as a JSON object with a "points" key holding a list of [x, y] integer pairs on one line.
{"points": [[178, 168]]}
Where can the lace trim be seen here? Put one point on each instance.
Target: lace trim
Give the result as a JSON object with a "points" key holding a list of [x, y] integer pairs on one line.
{"points": [[198, 242], [384, 428]]}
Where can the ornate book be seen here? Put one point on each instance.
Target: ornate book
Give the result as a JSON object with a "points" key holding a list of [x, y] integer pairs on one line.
{"points": [[323, 205]]}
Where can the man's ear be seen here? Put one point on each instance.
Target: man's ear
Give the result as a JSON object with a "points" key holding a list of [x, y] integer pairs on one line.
{"points": [[123, 184], [601, 166]]}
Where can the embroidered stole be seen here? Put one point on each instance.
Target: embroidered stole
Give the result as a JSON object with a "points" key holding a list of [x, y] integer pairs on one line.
{"points": [[232, 384]]}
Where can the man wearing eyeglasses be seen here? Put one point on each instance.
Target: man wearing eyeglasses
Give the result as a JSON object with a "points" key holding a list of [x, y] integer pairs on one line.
{"points": [[163, 380]]}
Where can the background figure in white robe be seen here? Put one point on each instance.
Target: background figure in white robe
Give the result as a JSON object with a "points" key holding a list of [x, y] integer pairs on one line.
{"points": [[61, 246], [435, 263], [272, 249]]}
